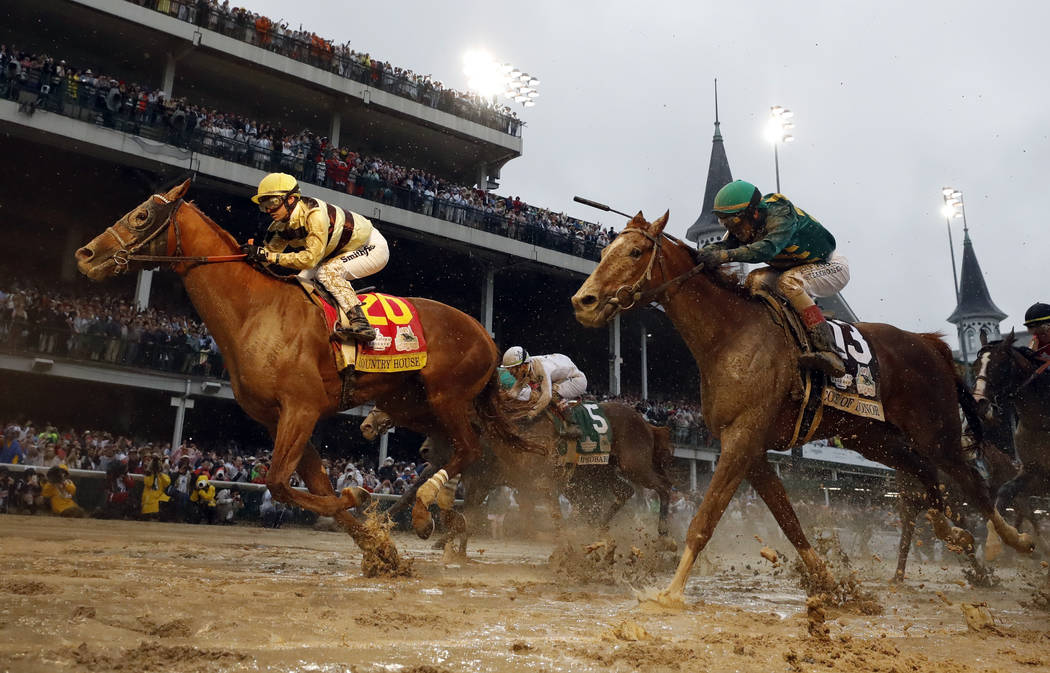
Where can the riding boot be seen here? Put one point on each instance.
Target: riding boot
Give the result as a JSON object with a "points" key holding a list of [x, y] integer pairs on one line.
{"points": [[569, 428], [359, 328], [823, 357]]}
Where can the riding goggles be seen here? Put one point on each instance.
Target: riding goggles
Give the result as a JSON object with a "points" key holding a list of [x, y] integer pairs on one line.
{"points": [[269, 204], [727, 220]]}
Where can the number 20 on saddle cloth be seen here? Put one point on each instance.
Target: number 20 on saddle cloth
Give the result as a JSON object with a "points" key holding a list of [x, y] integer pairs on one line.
{"points": [[399, 346]]}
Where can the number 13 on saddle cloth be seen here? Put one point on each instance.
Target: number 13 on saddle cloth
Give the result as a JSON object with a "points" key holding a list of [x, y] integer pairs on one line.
{"points": [[856, 391]]}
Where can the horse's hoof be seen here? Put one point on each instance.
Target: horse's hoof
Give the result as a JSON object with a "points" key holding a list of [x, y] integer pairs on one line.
{"points": [[422, 522], [1025, 543], [961, 538], [360, 497], [661, 599]]}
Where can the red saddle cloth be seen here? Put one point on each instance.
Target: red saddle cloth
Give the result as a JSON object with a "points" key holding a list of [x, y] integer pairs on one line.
{"points": [[400, 344]]}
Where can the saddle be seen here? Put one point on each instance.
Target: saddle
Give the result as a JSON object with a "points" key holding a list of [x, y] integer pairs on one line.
{"points": [[810, 383]]}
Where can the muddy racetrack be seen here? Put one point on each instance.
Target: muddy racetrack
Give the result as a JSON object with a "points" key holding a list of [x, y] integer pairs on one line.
{"points": [[128, 596]]}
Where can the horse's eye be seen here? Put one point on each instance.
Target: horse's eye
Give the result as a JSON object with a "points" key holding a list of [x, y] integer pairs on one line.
{"points": [[636, 252]]}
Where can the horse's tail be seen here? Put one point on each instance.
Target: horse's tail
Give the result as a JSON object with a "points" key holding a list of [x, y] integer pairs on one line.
{"points": [[663, 455], [962, 390], [497, 422]]}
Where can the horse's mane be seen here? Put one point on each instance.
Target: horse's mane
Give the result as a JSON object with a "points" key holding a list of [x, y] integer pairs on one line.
{"points": [[225, 235], [228, 238], [721, 277]]}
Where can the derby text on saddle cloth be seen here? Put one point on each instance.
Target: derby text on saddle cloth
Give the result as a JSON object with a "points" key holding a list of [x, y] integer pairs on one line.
{"points": [[856, 392], [399, 345]]}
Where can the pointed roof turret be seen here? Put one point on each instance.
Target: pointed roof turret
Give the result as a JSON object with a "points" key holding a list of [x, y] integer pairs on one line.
{"points": [[974, 300], [718, 176]]}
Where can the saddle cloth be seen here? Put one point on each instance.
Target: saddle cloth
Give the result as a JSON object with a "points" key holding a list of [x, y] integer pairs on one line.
{"points": [[857, 392], [595, 442], [399, 346]]}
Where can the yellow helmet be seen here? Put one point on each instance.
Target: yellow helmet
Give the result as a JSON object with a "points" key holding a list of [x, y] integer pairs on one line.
{"points": [[276, 184]]}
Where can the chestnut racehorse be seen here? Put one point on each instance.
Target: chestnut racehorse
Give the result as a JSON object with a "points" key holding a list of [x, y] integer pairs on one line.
{"points": [[282, 371], [748, 369]]}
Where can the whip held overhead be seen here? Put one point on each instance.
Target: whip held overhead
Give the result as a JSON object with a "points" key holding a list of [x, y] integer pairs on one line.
{"points": [[599, 206]]}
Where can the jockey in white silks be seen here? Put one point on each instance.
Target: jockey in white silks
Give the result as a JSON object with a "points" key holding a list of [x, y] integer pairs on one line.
{"points": [[551, 375]]}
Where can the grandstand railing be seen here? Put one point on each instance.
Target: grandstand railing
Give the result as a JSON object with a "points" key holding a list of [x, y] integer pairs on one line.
{"points": [[89, 104], [323, 55]]}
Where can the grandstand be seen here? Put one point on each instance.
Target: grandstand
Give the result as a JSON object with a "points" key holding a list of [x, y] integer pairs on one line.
{"points": [[80, 152]]}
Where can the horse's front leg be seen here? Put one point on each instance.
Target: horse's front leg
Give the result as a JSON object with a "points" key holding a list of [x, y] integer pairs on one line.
{"points": [[381, 557], [769, 487], [293, 433], [739, 449], [466, 448]]}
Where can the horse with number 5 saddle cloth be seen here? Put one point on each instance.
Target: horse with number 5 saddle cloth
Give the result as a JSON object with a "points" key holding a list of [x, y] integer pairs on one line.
{"points": [[284, 374]]}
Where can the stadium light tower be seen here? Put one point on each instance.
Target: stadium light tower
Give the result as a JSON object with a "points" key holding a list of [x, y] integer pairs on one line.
{"points": [[953, 208], [777, 132], [488, 77]]}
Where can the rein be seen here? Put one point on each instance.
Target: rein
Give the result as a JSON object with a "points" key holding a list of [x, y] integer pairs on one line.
{"points": [[634, 291], [128, 252]]}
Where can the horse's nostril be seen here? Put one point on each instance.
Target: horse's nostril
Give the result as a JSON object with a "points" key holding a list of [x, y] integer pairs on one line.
{"points": [[84, 254], [588, 300]]}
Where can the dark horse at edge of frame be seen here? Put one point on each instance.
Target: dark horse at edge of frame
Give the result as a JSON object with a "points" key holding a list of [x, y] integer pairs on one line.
{"points": [[1012, 381], [748, 370], [282, 370]]}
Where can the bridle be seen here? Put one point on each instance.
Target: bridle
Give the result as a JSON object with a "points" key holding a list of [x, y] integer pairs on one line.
{"points": [[634, 292], [980, 391], [160, 217]]}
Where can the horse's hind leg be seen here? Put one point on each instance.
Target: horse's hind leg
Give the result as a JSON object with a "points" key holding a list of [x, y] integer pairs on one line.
{"points": [[293, 434], [909, 509], [975, 487], [466, 448], [369, 541], [771, 490], [622, 492]]}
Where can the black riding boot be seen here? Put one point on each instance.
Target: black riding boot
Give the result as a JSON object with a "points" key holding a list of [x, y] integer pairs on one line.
{"points": [[359, 329], [823, 358]]}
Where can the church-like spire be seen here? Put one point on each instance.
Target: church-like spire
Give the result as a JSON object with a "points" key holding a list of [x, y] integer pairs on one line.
{"points": [[706, 228], [974, 300]]}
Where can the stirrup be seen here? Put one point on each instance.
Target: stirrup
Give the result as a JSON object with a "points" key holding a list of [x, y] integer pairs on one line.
{"points": [[824, 361]]}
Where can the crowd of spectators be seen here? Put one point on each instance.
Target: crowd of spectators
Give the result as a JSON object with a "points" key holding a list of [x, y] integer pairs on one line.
{"points": [[171, 487], [41, 82], [683, 418], [104, 328], [309, 47]]}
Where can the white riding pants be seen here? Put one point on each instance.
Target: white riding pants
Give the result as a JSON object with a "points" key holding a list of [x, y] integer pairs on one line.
{"points": [[821, 279], [573, 387]]}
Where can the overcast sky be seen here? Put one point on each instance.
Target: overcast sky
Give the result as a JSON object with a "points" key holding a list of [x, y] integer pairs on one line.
{"points": [[893, 101]]}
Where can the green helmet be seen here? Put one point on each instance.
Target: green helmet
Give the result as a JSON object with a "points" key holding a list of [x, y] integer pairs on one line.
{"points": [[737, 196]]}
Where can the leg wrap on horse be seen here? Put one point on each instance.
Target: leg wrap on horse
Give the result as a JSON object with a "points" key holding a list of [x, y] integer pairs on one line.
{"points": [[446, 497], [428, 490]]}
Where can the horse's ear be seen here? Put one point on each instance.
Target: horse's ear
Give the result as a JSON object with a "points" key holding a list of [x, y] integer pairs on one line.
{"points": [[178, 191], [1011, 337], [638, 220], [659, 224], [984, 338]]}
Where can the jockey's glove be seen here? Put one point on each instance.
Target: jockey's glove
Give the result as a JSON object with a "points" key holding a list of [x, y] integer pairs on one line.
{"points": [[256, 253], [711, 258]]}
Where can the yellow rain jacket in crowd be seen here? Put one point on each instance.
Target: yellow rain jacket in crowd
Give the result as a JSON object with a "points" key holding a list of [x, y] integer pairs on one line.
{"points": [[153, 492], [61, 496], [317, 231]]}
